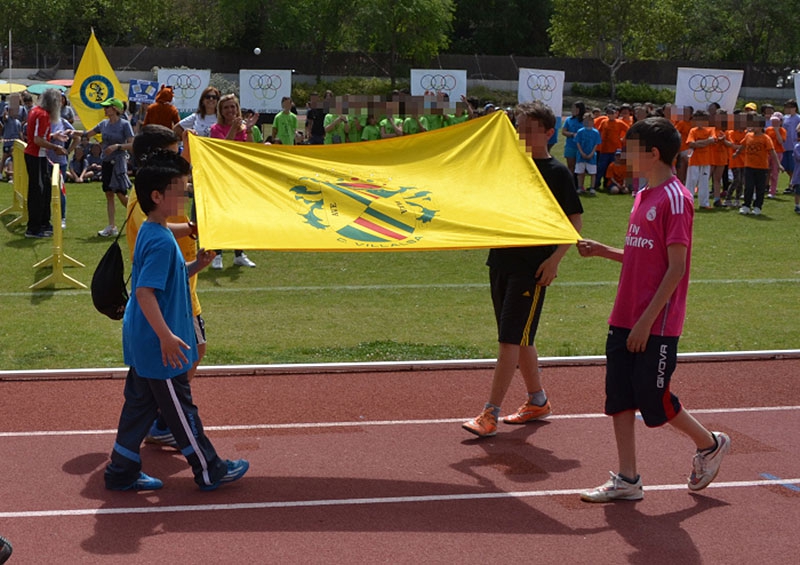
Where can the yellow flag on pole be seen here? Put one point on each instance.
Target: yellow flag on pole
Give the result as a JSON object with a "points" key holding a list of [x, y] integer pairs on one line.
{"points": [[466, 186], [94, 83]]}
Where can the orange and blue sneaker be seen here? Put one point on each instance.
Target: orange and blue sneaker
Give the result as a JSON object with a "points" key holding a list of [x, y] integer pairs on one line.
{"points": [[485, 425], [529, 413]]}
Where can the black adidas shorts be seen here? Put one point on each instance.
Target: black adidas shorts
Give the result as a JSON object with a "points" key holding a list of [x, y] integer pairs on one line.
{"points": [[641, 380], [517, 301]]}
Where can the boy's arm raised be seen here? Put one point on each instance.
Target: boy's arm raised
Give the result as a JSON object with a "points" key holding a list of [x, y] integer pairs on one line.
{"points": [[171, 345]]}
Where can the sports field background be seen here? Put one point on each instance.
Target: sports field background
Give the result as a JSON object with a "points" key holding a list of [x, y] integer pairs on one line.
{"points": [[329, 307]]}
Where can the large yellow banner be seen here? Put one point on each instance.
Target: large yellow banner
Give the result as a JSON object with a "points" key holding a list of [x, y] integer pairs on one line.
{"points": [[94, 83], [466, 186]]}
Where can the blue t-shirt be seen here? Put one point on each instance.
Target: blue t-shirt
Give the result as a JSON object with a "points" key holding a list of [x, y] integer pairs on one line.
{"points": [[588, 139], [572, 125], [158, 264]]}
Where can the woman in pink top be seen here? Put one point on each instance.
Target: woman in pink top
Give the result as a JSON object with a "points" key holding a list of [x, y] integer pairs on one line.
{"points": [[231, 126]]}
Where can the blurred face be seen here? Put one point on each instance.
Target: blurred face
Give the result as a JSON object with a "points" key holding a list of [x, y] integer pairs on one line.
{"points": [[532, 132], [286, 105], [636, 157], [175, 197]]}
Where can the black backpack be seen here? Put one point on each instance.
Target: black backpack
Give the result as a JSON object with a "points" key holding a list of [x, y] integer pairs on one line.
{"points": [[109, 287]]}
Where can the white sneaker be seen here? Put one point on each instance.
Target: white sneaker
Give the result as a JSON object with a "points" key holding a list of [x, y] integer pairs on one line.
{"points": [[744, 210], [63, 224], [108, 231], [243, 261], [705, 466], [756, 211], [616, 488], [216, 262]]}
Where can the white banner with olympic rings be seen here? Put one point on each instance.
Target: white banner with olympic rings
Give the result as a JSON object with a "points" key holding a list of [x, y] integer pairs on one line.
{"points": [[700, 87], [187, 85], [796, 79], [262, 90], [432, 82], [544, 85]]}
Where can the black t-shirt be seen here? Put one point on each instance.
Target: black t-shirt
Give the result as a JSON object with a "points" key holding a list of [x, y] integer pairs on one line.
{"points": [[527, 259], [317, 115]]}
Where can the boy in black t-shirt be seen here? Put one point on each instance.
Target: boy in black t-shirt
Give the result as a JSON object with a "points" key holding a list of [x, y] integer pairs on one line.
{"points": [[519, 277]]}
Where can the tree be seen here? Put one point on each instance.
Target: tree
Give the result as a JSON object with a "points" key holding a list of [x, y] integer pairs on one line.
{"points": [[613, 31], [413, 29], [501, 27]]}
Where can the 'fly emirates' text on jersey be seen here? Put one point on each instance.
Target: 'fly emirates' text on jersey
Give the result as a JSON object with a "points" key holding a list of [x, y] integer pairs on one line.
{"points": [[661, 216]]}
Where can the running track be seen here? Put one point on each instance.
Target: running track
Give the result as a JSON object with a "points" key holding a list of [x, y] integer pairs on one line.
{"points": [[374, 468]]}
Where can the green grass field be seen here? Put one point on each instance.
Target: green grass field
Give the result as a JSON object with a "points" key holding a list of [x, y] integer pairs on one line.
{"points": [[329, 307]]}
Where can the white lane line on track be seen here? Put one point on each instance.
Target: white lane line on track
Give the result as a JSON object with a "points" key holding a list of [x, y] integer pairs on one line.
{"points": [[363, 501], [378, 287], [370, 423]]}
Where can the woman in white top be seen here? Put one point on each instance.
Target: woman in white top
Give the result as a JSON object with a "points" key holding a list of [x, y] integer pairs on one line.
{"points": [[201, 121]]}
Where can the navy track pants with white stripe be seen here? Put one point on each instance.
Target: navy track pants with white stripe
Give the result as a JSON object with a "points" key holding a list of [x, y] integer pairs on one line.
{"points": [[143, 400]]}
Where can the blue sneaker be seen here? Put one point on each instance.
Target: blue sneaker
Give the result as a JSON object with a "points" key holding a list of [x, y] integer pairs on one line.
{"points": [[158, 436], [144, 482], [236, 470]]}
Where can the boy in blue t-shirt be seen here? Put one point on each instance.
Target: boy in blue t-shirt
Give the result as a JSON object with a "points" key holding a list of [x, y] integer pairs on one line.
{"points": [[587, 140], [158, 319]]}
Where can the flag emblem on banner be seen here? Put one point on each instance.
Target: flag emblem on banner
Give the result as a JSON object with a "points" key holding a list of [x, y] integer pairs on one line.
{"points": [[365, 212], [95, 82]]}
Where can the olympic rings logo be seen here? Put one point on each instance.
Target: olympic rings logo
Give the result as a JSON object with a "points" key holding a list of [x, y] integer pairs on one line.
{"points": [[709, 88], [437, 83], [184, 86], [542, 87], [265, 87]]}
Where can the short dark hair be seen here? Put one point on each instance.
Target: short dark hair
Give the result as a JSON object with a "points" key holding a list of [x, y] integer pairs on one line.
{"points": [[659, 133], [538, 111], [791, 103], [157, 173], [151, 138]]}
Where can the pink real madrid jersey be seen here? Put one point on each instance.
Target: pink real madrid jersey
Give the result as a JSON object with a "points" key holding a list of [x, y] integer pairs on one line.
{"points": [[661, 216]]}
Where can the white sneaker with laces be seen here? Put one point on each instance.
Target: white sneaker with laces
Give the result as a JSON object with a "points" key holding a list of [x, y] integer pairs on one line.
{"points": [[756, 211], [108, 231], [705, 466], [616, 488], [243, 261], [744, 210], [216, 262]]}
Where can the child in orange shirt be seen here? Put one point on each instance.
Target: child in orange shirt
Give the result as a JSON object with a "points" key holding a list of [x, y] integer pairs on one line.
{"points": [[719, 154], [616, 175], [612, 135], [684, 126], [757, 148], [733, 140], [777, 135], [700, 139]]}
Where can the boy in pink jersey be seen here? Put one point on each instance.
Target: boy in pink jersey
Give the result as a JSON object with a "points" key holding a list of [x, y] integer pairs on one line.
{"points": [[647, 318]]}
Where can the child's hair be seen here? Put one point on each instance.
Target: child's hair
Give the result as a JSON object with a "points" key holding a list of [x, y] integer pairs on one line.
{"points": [[539, 112], [152, 137], [700, 114], [791, 103], [659, 133], [581, 108], [158, 170], [588, 116]]}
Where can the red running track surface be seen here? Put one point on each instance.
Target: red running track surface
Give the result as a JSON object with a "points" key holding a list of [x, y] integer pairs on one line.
{"points": [[375, 468]]}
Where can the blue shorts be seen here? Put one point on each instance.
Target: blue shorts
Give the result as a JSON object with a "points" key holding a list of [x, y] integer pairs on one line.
{"points": [[787, 160], [641, 380], [570, 152]]}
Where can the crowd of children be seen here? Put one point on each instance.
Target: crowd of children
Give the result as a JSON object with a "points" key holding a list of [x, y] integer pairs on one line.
{"points": [[727, 160]]}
